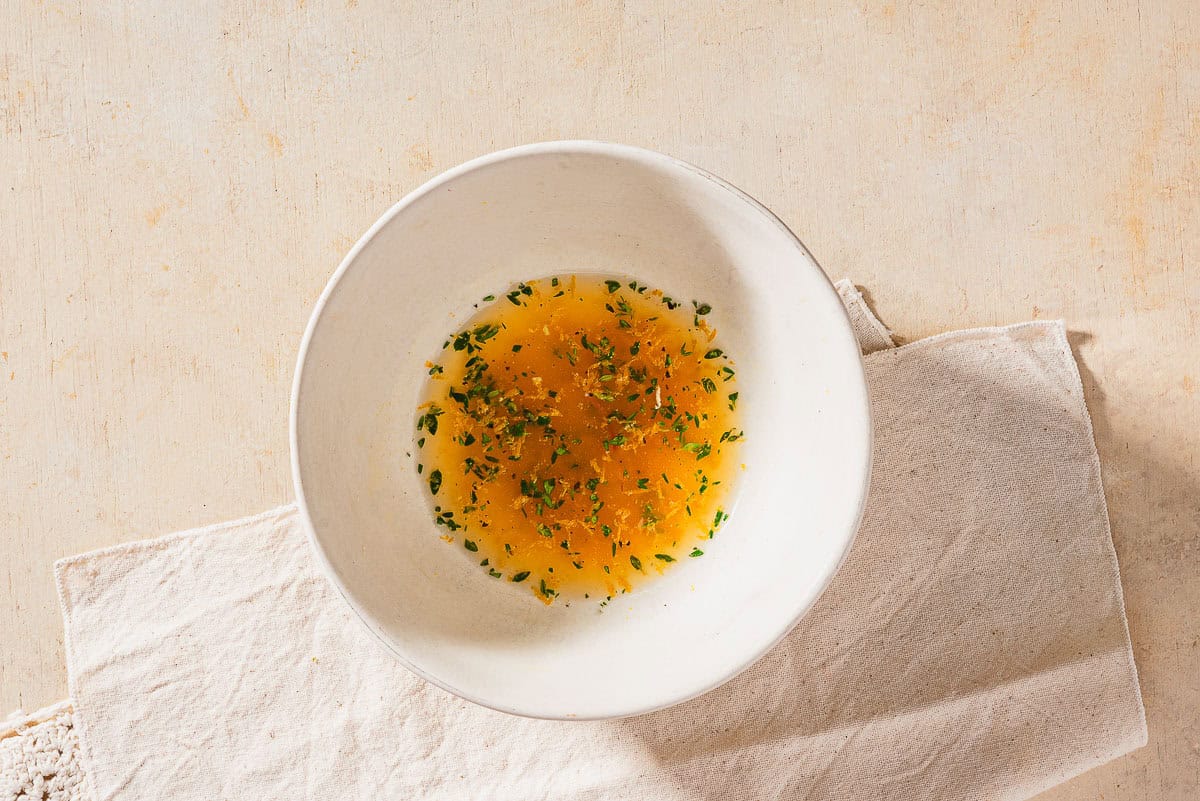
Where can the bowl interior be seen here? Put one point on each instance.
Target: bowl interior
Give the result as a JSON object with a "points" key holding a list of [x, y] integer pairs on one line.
{"points": [[554, 209]]}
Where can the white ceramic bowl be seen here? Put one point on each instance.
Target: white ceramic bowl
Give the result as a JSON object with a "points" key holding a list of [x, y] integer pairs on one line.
{"points": [[564, 207]]}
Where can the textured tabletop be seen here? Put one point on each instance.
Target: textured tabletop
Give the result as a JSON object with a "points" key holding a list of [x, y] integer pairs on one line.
{"points": [[178, 182]]}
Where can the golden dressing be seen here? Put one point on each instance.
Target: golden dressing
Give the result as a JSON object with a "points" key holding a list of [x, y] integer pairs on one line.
{"points": [[579, 434]]}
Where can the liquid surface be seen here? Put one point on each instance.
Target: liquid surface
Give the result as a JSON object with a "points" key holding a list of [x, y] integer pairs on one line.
{"points": [[580, 434]]}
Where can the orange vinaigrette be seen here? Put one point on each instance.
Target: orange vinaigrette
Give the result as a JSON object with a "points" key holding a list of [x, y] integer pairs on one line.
{"points": [[579, 434]]}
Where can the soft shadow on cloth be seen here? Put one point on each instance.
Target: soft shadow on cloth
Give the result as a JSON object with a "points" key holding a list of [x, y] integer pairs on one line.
{"points": [[959, 617]]}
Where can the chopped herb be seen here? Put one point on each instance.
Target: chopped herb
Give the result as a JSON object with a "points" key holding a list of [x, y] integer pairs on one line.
{"points": [[485, 332], [446, 519], [429, 420], [510, 425]]}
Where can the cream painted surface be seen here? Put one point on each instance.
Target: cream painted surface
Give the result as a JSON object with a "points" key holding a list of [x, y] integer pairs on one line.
{"points": [[177, 184]]}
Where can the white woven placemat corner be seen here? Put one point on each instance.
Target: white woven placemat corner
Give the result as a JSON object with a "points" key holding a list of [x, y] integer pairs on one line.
{"points": [[39, 757]]}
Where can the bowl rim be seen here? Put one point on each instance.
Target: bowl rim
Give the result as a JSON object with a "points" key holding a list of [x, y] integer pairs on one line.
{"points": [[563, 147]]}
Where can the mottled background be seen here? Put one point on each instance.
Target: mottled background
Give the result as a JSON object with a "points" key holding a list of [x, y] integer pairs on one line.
{"points": [[177, 182]]}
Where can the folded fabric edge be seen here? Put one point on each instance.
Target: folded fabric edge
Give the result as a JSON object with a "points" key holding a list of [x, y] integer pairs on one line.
{"points": [[164, 540], [1064, 341], [1058, 326], [872, 334], [18, 721], [87, 759]]}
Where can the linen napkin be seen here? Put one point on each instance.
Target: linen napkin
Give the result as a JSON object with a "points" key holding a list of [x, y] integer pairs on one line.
{"points": [[973, 645]]}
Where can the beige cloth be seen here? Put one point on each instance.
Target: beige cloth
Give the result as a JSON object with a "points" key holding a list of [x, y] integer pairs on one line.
{"points": [[973, 645]]}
